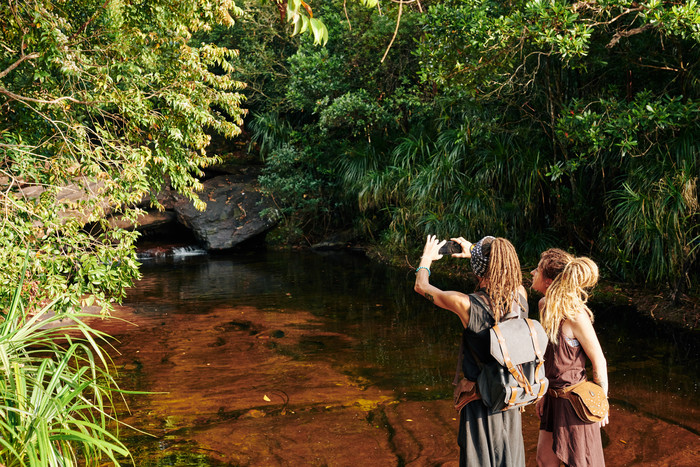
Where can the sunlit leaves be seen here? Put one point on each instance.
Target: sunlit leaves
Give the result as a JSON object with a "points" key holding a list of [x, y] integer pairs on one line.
{"points": [[615, 129], [114, 101], [300, 15]]}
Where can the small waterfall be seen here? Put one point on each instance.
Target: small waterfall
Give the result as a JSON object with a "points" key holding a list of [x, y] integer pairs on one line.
{"points": [[185, 251], [170, 253]]}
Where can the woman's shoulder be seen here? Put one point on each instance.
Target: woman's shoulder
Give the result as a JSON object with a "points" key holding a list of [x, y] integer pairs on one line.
{"points": [[574, 323], [579, 316], [522, 291], [541, 303]]}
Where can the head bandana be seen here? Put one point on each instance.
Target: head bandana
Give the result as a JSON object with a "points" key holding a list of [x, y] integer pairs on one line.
{"points": [[480, 262]]}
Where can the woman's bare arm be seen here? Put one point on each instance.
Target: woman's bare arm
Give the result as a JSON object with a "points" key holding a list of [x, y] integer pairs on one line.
{"points": [[457, 302], [583, 331]]}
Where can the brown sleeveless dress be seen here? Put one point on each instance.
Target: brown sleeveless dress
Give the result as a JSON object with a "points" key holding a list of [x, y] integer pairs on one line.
{"points": [[574, 442]]}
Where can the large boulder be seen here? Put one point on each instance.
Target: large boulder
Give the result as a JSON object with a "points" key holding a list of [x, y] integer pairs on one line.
{"points": [[234, 204], [233, 213]]}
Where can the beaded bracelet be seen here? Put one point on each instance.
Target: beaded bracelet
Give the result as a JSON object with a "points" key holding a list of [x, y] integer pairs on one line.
{"points": [[422, 267]]}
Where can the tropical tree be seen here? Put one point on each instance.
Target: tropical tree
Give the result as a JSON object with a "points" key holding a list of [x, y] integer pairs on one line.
{"points": [[103, 104]]}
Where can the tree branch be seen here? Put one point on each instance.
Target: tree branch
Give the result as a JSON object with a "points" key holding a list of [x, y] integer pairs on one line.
{"points": [[87, 23], [398, 22], [16, 97], [16, 64], [631, 32]]}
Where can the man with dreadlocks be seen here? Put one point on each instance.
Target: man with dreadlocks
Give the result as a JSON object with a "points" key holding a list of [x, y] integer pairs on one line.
{"points": [[485, 439]]}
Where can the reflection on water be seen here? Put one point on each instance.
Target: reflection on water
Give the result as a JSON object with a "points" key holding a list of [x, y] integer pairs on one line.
{"points": [[409, 343], [400, 342]]}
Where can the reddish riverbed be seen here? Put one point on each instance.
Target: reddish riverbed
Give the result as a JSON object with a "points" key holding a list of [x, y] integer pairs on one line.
{"points": [[235, 383]]}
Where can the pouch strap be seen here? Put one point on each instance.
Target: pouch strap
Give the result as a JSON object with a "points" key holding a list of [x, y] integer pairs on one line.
{"points": [[564, 392]]}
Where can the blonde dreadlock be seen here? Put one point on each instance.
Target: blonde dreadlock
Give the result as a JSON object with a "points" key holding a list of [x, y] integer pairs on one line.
{"points": [[503, 277], [566, 295]]}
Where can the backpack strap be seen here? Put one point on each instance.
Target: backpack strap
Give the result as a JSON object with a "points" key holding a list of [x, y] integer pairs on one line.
{"points": [[535, 344], [540, 356]]}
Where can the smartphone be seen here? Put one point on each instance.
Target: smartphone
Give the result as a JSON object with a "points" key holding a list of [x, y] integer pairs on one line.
{"points": [[450, 247]]}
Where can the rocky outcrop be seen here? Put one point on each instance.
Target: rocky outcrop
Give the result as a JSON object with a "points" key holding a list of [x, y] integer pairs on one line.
{"points": [[234, 205], [233, 201], [233, 213]]}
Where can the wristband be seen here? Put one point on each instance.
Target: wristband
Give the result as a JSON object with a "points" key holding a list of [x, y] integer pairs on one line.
{"points": [[422, 267]]}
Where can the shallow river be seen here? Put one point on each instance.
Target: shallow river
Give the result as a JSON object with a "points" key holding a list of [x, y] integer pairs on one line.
{"points": [[301, 358]]}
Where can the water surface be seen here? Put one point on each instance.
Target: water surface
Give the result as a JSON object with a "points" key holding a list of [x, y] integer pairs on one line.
{"points": [[361, 358]]}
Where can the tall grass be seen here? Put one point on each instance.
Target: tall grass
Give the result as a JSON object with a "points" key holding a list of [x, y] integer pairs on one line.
{"points": [[55, 390], [454, 177], [269, 132]]}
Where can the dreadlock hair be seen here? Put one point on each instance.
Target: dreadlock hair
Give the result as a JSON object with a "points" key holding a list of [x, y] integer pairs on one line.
{"points": [[567, 294], [503, 276]]}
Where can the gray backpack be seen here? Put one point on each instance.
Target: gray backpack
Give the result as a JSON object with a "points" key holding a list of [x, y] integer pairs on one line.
{"points": [[516, 377]]}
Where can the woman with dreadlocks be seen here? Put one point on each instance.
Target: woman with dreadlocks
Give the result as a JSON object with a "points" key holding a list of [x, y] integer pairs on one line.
{"points": [[485, 439], [564, 279]]}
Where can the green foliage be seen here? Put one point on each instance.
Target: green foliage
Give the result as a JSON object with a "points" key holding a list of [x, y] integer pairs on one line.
{"points": [[354, 114], [658, 218], [268, 133], [303, 23], [299, 188], [315, 79], [605, 94], [342, 106], [102, 104], [265, 44], [55, 389], [553, 123]]}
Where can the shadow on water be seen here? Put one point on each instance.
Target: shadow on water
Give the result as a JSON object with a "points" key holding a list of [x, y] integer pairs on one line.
{"points": [[369, 325]]}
